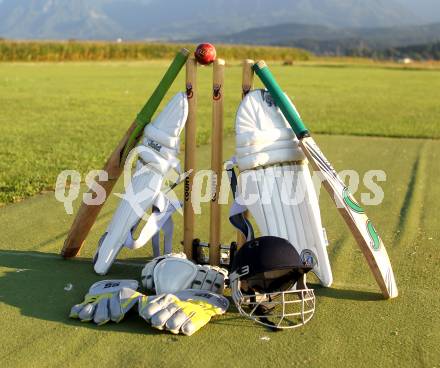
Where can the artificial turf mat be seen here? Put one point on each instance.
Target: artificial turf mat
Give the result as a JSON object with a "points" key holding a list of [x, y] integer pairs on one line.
{"points": [[352, 326]]}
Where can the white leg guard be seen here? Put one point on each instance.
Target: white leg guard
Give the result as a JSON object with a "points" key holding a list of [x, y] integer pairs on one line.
{"points": [[157, 154], [275, 182], [287, 207]]}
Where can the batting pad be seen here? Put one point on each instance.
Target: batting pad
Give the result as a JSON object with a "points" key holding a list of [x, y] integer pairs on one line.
{"points": [[275, 184], [157, 154]]}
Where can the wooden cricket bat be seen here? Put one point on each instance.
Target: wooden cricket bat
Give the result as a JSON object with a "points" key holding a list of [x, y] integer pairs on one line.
{"points": [[216, 160], [354, 215], [114, 166]]}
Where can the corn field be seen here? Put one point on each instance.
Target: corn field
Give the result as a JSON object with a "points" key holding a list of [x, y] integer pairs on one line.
{"points": [[98, 51]]}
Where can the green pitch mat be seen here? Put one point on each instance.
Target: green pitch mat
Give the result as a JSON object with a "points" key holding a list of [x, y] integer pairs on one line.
{"points": [[352, 327]]}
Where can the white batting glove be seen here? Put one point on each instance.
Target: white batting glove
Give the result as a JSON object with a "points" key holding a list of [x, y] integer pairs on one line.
{"points": [[107, 300], [210, 278], [147, 275]]}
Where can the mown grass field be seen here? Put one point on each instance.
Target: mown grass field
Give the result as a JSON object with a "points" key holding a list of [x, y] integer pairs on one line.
{"points": [[59, 116], [69, 116]]}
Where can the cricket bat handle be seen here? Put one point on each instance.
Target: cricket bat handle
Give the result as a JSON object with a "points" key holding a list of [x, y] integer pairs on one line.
{"points": [[87, 214], [281, 99]]}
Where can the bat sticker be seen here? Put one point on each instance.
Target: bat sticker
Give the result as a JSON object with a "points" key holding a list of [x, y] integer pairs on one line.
{"points": [[351, 202], [374, 236]]}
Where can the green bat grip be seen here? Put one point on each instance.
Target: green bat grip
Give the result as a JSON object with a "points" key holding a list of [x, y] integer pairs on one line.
{"points": [[147, 112], [280, 99]]}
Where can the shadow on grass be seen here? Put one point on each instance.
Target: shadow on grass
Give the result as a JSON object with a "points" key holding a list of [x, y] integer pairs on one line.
{"points": [[44, 286], [335, 293]]}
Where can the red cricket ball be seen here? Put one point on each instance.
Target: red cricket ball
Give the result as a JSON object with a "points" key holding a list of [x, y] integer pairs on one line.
{"points": [[205, 53]]}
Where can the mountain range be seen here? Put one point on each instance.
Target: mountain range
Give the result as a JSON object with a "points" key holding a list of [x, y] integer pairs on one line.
{"points": [[186, 19], [331, 40]]}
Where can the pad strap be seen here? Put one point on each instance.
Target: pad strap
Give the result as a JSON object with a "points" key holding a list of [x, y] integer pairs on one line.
{"points": [[237, 211], [160, 219]]}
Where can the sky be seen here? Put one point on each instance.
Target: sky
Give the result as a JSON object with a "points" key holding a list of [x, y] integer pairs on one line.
{"points": [[429, 9]]}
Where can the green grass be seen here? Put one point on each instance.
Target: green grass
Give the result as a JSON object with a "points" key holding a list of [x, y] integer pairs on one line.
{"points": [[70, 116], [352, 326]]}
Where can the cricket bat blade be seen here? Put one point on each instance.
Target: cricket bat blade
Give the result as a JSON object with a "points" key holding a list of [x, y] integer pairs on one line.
{"points": [[354, 215]]}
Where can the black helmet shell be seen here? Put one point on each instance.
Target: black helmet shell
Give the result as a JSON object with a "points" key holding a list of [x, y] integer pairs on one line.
{"points": [[268, 253]]}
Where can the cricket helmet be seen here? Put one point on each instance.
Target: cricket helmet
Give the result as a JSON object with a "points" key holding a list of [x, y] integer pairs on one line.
{"points": [[268, 282]]}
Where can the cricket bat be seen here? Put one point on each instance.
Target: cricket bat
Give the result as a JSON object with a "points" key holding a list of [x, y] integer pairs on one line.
{"points": [[114, 166], [354, 215]]}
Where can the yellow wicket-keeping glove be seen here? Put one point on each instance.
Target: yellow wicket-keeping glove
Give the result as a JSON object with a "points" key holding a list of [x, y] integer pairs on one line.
{"points": [[184, 312]]}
